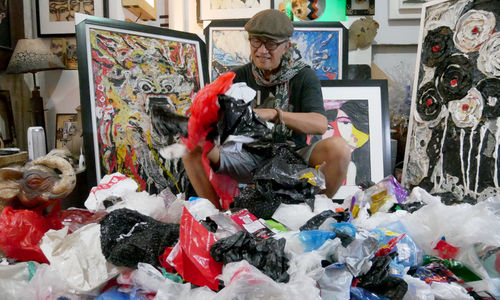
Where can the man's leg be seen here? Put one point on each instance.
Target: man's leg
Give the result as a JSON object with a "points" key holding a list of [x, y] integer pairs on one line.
{"points": [[196, 173], [336, 153]]}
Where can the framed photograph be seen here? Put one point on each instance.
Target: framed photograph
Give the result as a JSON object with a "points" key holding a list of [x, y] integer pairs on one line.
{"points": [[137, 83], [11, 29], [319, 11], [406, 9], [453, 134], [358, 111], [322, 45], [231, 9], [57, 17], [360, 7], [7, 130], [68, 132]]}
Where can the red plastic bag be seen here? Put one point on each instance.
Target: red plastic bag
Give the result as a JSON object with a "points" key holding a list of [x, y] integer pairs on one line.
{"points": [[20, 232], [204, 115], [193, 262], [205, 110]]}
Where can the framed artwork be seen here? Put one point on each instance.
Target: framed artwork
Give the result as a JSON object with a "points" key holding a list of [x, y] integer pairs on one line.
{"points": [[453, 136], [360, 7], [406, 9], [11, 29], [7, 130], [358, 111], [231, 9], [318, 10], [137, 83], [68, 132], [322, 45], [65, 49], [57, 17]]}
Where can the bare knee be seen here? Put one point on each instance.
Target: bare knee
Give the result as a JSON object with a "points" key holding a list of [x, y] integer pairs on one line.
{"points": [[334, 149]]}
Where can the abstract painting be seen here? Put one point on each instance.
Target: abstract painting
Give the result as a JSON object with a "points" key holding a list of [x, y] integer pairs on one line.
{"points": [[454, 131], [322, 45], [137, 85], [357, 110]]}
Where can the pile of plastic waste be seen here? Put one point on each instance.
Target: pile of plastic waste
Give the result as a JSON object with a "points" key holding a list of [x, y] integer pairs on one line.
{"points": [[278, 239], [378, 244]]}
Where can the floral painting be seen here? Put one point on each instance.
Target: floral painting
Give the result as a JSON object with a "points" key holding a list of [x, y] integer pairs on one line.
{"points": [[454, 135]]}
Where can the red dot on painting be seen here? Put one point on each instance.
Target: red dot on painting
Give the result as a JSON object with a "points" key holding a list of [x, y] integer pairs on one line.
{"points": [[454, 82], [475, 30], [436, 48], [465, 107], [429, 102]]}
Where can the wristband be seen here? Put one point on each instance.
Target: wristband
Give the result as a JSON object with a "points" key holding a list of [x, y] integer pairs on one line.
{"points": [[280, 116]]}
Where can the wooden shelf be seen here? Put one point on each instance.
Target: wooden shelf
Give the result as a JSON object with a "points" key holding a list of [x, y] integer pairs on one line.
{"points": [[18, 158], [141, 8]]}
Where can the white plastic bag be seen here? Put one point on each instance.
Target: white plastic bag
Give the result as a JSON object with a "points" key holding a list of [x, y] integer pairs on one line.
{"points": [[14, 279], [113, 185], [77, 257]]}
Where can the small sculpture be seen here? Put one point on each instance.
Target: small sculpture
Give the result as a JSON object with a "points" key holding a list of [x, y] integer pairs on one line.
{"points": [[39, 183]]}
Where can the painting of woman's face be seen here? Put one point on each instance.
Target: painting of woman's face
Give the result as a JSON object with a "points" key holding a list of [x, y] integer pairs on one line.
{"points": [[342, 126]]}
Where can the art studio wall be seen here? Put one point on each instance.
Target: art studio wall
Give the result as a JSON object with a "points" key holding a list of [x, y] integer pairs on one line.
{"points": [[395, 44]]}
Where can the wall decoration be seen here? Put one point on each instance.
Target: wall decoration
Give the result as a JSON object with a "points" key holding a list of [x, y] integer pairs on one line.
{"points": [[454, 134], [11, 29], [322, 45], [137, 83], [314, 10], [358, 111], [406, 9], [68, 132], [360, 7], [65, 49], [57, 17], [231, 9], [7, 130]]}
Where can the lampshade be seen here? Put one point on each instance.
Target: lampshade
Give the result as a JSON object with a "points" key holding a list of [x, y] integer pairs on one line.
{"points": [[32, 55]]}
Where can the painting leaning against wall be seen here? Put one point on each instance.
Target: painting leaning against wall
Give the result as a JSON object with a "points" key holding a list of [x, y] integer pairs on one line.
{"points": [[454, 133], [141, 87]]}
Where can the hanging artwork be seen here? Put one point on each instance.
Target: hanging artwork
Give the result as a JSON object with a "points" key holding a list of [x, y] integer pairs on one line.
{"points": [[357, 111], [322, 45], [137, 83], [454, 132]]}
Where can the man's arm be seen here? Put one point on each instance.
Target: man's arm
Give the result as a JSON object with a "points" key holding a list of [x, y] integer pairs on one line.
{"points": [[307, 123]]}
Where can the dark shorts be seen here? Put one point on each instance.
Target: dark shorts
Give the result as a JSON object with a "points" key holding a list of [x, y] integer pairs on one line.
{"points": [[240, 165]]}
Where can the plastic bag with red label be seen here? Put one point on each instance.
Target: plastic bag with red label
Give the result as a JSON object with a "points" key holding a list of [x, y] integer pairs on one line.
{"points": [[193, 260], [20, 234]]}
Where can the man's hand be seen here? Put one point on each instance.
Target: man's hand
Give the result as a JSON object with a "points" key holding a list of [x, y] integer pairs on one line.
{"points": [[267, 114]]}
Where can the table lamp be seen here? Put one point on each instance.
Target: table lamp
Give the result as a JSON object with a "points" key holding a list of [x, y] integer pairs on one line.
{"points": [[31, 56]]}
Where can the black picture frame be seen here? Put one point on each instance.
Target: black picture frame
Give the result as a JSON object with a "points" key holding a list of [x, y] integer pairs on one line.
{"points": [[62, 28], [7, 119], [371, 160], [238, 38], [352, 10], [89, 91], [12, 30]]}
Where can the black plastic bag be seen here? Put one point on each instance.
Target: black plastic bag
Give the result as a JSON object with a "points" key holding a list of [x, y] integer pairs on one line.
{"points": [[128, 237], [267, 255], [379, 281], [316, 221], [238, 118]]}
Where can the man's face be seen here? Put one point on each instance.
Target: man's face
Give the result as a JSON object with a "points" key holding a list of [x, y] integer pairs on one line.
{"points": [[266, 53]]}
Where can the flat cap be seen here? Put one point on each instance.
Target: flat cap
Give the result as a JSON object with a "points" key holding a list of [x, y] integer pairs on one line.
{"points": [[270, 23]]}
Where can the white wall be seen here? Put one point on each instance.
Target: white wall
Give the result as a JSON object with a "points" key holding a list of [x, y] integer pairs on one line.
{"points": [[60, 88]]}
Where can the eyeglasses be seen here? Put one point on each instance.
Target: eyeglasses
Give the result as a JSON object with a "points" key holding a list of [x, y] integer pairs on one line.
{"points": [[269, 44]]}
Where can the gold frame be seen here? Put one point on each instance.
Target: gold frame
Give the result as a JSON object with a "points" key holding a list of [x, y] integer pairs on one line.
{"points": [[141, 8]]}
